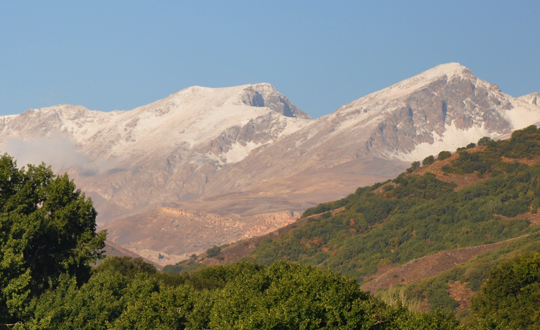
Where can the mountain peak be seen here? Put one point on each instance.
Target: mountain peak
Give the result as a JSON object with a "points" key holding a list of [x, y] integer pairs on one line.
{"points": [[255, 95], [447, 69], [406, 87], [266, 95]]}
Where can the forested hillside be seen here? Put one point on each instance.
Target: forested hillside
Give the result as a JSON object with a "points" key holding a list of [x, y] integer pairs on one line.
{"points": [[478, 195], [458, 204]]}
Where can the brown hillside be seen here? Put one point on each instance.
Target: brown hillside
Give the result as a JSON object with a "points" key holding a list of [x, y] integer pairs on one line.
{"points": [[421, 268]]}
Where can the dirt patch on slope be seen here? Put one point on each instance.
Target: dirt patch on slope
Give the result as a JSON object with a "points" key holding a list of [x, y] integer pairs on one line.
{"points": [[242, 249], [428, 266], [462, 294], [534, 218]]}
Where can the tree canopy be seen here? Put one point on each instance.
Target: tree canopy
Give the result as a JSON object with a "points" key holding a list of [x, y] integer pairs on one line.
{"points": [[510, 298], [47, 228]]}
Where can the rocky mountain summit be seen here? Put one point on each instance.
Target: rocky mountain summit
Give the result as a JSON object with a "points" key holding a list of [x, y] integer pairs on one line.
{"points": [[242, 161]]}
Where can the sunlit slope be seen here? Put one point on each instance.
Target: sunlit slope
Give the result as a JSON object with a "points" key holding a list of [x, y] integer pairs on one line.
{"points": [[477, 196]]}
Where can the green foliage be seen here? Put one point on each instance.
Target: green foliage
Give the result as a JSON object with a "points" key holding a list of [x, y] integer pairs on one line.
{"points": [[172, 269], [484, 141], [471, 273], [282, 296], [444, 155], [47, 228], [289, 296], [213, 251], [511, 295], [93, 306], [471, 162], [417, 215], [523, 144], [126, 266], [247, 296], [322, 208], [428, 160]]}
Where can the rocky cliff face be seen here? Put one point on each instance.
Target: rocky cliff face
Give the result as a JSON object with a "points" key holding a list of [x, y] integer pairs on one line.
{"points": [[225, 164]]}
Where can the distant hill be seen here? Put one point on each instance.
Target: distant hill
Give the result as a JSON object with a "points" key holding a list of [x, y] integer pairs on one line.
{"points": [[453, 217]]}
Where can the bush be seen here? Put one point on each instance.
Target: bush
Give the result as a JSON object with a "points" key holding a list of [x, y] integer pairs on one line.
{"points": [[484, 141], [428, 160], [444, 155], [413, 167], [213, 252]]}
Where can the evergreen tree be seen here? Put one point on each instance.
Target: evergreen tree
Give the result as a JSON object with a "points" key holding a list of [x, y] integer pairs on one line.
{"points": [[47, 228]]}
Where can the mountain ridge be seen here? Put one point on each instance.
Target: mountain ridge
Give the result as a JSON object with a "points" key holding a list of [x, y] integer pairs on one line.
{"points": [[245, 151]]}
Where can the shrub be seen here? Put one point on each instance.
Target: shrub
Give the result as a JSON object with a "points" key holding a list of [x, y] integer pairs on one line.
{"points": [[444, 155], [428, 160], [484, 141], [213, 251]]}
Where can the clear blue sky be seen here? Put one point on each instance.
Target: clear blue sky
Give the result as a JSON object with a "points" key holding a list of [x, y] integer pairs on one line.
{"points": [[110, 55]]}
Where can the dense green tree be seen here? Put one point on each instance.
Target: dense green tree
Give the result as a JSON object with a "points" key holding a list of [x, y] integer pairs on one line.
{"points": [[428, 160], [47, 228], [94, 305], [292, 296], [444, 155], [239, 296], [484, 141], [510, 298], [126, 266]]}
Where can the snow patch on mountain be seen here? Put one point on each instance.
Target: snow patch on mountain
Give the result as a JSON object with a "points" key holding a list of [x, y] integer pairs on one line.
{"points": [[450, 140], [522, 115], [238, 152], [532, 98]]}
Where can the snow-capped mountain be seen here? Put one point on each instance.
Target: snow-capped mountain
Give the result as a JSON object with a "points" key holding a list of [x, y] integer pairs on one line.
{"points": [[374, 137], [164, 151], [208, 166]]}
